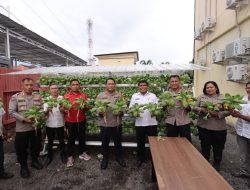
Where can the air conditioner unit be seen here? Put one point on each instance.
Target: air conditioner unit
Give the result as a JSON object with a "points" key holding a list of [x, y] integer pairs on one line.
{"points": [[218, 56], [233, 4], [197, 35], [207, 24], [238, 48], [236, 72], [242, 47], [201, 62]]}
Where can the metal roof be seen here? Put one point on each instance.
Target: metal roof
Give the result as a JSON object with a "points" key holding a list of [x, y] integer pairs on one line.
{"points": [[26, 45], [127, 70]]}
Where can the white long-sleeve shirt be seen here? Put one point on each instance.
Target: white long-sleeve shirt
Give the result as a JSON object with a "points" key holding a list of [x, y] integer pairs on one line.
{"points": [[55, 118], [145, 118], [243, 126]]}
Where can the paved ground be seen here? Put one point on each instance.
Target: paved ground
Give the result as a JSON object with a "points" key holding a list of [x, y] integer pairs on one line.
{"points": [[87, 175]]}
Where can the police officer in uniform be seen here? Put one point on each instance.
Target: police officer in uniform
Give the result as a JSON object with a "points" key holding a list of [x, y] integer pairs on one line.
{"points": [[111, 127], [25, 132]]}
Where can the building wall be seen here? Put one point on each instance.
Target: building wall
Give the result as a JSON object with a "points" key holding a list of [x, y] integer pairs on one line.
{"points": [[224, 32], [117, 59]]}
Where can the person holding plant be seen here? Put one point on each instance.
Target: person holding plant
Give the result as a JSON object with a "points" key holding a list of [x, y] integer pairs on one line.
{"points": [[211, 122], [110, 123], [26, 133], [54, 123], [243, 135], [3, 173], [75, 121], [176, 119], [145, 123]]}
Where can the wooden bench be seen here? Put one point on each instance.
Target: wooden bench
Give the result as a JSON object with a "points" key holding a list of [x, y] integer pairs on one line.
{"points": [[179, 166]]}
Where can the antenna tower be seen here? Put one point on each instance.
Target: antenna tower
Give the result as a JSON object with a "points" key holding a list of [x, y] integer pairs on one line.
{"points": [[91, 60]]}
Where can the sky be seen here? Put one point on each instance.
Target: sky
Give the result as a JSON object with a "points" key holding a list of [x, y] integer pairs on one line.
{"points": [[160, 30]]}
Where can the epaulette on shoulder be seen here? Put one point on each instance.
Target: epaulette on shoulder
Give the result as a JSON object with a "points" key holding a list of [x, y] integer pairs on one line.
{"points": [[15, 95]]}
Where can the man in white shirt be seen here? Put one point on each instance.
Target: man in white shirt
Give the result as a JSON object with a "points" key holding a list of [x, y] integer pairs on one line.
{"points": [[146, 124], [54, 124], [243, 135]]}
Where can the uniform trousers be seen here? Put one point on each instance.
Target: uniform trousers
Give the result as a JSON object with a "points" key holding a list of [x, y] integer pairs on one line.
{"points": [[141, 133], [179, 130], [114, 133], [25, 140], [212, 139]]}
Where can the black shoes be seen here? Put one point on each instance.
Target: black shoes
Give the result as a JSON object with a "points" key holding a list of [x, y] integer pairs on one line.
{"points": [[121, 162], [36, 164], [104, 164], [47, 161], [153, 176], [25, 173], [241, 174], [6, 175], [216, 166]]}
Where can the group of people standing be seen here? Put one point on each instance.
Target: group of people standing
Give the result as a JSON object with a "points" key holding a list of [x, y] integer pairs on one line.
{"points": [[58, 120], [212, 132]]}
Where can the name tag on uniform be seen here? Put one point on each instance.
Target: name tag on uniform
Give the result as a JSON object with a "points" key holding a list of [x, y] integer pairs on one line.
{"points": [[21, 108], [21, 100]]}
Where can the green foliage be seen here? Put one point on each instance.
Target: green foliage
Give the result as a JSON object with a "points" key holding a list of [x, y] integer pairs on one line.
{"points": [[193, 115], [44, 94], [153, 80], [36, 115], [119, 106], [80, 102], [154, 109], [100, 106], [92, 128], [93, 92], [166, 99], [135, 110], [65, 103], [156, 86], [161, 129], [128, 130], [210, 106], [51, 102], [185, 79], [194, 129], [232, 102], [186, 98]]}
